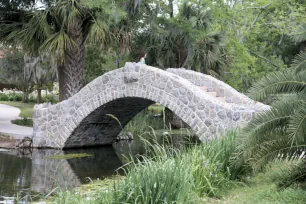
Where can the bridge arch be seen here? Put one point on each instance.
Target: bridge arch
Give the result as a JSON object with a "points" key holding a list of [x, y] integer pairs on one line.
{"points": [[86, 118]]}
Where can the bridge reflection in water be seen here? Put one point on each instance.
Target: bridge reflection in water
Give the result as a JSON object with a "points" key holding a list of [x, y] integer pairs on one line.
{"points": [[28, 175]]}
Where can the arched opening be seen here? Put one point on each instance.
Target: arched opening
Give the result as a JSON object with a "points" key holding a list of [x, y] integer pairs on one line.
{"points": [[102, 125]]}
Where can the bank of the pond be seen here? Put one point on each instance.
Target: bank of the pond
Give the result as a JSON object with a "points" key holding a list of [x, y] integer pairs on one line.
{"points": [[6, 142], [195, 174], [260, 188]]}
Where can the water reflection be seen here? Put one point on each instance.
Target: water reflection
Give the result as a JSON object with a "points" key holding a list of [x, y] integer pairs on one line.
{"points": [[101, 165], [15, 175], [50, 173], [26, 175]]}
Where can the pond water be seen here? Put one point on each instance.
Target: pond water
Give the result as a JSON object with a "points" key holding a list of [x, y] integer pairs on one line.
{"points": [[26, 175]]}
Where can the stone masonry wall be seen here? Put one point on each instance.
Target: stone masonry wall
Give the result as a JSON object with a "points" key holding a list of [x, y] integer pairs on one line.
{"points": [[84, 119]]}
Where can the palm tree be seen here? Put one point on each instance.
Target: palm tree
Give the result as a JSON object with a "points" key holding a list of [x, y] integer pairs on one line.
{"points": [[184, 39], [63, 29], [281, 131]]}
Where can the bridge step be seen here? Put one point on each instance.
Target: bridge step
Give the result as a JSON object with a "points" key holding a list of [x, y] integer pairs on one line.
{"points": [[213, 93], [204, 88]]}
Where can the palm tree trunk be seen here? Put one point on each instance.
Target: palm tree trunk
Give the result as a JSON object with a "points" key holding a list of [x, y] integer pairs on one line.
{"points": [[70, 74], [74, 60]]}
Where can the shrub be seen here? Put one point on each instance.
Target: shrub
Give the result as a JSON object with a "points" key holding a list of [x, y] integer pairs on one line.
{"points": [[18, 97], [10, 95], [14, 95], [23, 122], [49, 98], [32, 98], [3, 97]]}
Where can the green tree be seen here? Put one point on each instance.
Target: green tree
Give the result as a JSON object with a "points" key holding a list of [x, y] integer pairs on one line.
{"points": [[62, 29], [263, 28], [12, 70], [43, 72], [257, 36]]}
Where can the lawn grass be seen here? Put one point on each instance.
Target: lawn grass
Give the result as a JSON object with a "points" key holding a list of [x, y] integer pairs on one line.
{"points": [[25, 108], [262, 189]]}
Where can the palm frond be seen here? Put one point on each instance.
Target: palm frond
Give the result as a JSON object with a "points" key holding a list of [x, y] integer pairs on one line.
{"points": [[297, 124], [277, 133], [296, 173], [299, 62], [98, 32], [273, 150], [281, 82], [58, 43], [250, 152], [299, 34], [271, 121], [35, 31], [275, 120]]}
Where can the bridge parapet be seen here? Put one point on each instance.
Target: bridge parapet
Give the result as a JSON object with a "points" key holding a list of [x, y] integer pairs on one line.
{"points": [[222, 89]]}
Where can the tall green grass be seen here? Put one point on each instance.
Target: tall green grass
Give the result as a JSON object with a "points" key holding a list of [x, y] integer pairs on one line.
{"points": [[223, 151], [163, 181], [170, 175]]}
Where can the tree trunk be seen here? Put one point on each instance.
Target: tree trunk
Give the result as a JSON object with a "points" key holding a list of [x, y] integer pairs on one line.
{"points": [[25, 98], [61, 82], [118, 59], [38, 95], [74, 60], [171, 11]]}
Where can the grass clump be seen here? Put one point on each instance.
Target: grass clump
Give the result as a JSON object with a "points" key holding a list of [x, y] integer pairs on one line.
{"points": [[208, 175], [23, 122], [162, 181], [222, 152]]}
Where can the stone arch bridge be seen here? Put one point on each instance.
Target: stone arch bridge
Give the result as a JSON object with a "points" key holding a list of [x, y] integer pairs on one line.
{"points": [[207, 105]]}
